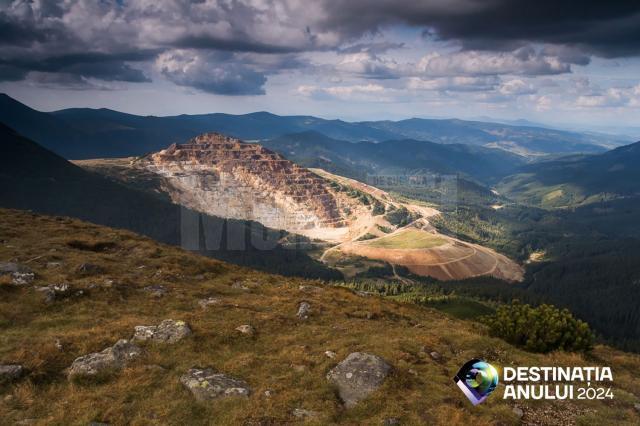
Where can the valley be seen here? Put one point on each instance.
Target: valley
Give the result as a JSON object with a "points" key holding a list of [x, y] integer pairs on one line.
{"points": [[228, 178]]}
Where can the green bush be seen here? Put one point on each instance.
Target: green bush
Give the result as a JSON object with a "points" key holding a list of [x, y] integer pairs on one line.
{"points": [[542, 329]]}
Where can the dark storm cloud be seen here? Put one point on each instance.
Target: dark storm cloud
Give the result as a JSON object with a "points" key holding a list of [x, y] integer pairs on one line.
{"points": [[212, 72], [85, 65], [264, 38], [607, 28]]}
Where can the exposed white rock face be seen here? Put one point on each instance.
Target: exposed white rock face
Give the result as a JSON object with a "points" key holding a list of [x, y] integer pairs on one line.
{"points": [[226, 177]]}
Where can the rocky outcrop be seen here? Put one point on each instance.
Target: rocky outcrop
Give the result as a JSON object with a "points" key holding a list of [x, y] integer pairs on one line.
{"points": [[20, 274], [226, 177], [168, 331], [112, 358], [206, 384], [358, 375], [10, 372], [304, 310]]}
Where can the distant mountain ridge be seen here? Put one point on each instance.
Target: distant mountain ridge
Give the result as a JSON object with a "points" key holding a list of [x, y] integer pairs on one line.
{"points": [[394, 157], [576, 180], [81, 133]]}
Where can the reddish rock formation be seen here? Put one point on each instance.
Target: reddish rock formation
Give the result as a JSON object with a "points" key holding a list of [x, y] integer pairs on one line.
{"points": [[226, 177]]}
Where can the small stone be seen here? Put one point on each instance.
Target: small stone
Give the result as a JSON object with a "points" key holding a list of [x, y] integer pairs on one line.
{"points": [[391, 421], [99, 424], [22, 278], [330, 354], [54, 292], [58, 344], [156, 290], [435, 356], [358, 375], [205, 384], [268, 393], [309, 288], [112, 358], [89, 269], [304, 309], [10, 372], [520, 413], [209, 301], [364, 293], [301, 413], [240, 286], [168, 331], [246, 329], [413, 372]]}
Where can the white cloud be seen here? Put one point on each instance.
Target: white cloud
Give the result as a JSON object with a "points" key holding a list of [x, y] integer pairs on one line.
{"points": [[524, 61], [516, 87], [454, 84]]}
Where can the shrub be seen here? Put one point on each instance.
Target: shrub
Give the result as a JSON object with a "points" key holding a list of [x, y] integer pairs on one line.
{"points": [[541, 329]]}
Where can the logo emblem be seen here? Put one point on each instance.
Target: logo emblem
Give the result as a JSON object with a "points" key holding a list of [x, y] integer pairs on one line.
{"points": [[477, 379]]}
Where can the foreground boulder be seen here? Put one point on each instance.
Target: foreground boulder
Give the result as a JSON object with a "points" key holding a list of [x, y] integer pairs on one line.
{"points": [[113, 358], [10, 372], [168, 331], [206, 384], [357, 376]]}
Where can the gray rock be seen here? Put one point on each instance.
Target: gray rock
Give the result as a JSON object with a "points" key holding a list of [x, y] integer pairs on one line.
{"points": [[637, 406], [246, 329], [20, 274], [330, 354], [22, 278], [112, 358], [206, 384], [209, 301], [435, 356], [240, 286], [304, 310], [13, 267], [99, 424], [53, 265], [358, 375], [309, 288], [391, 421], [10, 372], [54, 292], [89, 269], [301, 413], [156, 290], [518, 412], [168, 331]]}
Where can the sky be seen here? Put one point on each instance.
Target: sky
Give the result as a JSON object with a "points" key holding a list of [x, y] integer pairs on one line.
{"points": [[564, 63]]}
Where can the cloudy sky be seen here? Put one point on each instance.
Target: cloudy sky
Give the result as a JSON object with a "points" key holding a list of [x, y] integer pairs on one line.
{"points": [[553, 61]]}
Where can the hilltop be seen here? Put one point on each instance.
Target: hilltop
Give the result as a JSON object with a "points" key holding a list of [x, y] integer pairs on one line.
{"points": [[118, 280]]}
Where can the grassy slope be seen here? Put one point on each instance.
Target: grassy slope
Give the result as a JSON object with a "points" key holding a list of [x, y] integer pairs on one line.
{"points": [[409, 239], [420, 391]]}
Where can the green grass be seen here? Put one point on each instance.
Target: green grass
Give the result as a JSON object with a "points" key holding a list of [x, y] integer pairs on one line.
{"points": [[409, 239], [148, 391]]}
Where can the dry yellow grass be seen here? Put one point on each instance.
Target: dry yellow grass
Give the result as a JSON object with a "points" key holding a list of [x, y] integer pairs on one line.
{"points": [[148, 391]]}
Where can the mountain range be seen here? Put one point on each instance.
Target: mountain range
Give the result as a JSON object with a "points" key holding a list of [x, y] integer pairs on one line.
{"points": [[81, 133], [576, 180]]}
